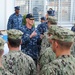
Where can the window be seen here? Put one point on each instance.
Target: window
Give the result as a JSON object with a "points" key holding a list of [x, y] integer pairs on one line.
{"points": [[73, 11], [64, 9], [54, 5], [37, 8]]}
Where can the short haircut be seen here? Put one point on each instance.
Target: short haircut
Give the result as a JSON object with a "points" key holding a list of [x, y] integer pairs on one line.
{"points": [[63, 44], [14, 42]]}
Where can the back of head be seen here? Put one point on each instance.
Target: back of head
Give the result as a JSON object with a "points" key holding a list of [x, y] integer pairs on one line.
{"points": [[14, 37]]}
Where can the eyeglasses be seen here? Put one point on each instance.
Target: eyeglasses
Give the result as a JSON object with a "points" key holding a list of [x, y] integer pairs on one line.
{"points": [[31, 19]]}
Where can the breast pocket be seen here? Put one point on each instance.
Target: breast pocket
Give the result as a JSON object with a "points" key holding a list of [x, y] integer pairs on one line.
{"points": [[20, 19], [14, 20]]}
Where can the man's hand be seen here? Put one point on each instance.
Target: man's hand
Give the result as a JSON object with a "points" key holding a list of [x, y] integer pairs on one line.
{"points": [[33, 34], [41, 36]]}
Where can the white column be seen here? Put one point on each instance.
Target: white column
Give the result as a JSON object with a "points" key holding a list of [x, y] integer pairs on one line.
{"points": [[6, 9], [59, 12], [9, 9], [71, 13], [30, 6], [45, 11], [2, 14]]}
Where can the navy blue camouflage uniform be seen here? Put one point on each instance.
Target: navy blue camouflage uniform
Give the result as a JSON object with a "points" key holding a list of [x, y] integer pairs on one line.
{"points": [[43, 27], [14, 22], [29, 45]]}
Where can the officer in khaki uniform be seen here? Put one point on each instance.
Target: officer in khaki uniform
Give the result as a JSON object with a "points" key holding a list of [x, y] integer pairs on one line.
{"points": [[15, 61], [3, 71], [64, 64]]}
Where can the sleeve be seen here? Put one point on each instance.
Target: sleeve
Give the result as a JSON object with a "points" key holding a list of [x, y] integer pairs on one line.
{"points": [[8, 73], [38, 28], [4, 61], [10, 23], [26, 37], [47, 70], [32, 66], [47, 57]]}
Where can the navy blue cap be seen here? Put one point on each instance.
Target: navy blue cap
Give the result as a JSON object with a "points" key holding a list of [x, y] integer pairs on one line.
{"points": [[17, 8], [43, 18], [30, 16], [51, 12]]}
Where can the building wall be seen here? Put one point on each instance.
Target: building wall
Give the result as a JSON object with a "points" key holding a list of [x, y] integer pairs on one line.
{"points": [[6, 9], [2, 14], [64, 10]]}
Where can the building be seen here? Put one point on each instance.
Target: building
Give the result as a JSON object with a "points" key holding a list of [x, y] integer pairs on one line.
{"points": [[64, 10]]}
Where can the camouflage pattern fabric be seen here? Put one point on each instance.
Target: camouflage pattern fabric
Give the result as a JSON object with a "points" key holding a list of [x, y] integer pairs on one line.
{"points": [[45, 44], [14, 34], [62, 34], [29, 45], [4, 72], [19, 63], [42, 28], [47, 56], [2, 42], [73, 48], [52, 19], [15, 21], [63, 65]]}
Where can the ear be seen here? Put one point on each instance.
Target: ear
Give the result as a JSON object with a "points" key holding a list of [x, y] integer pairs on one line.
{"points": [[56, 44], [26, 19], [7, 43], [21, 42]]}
